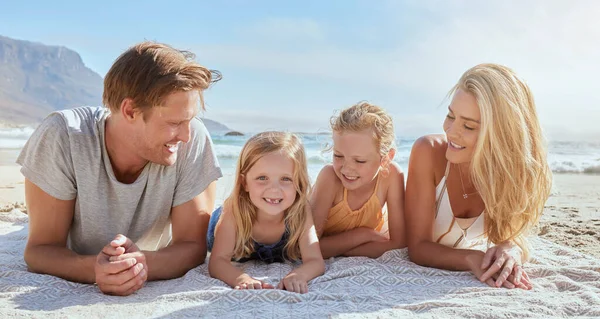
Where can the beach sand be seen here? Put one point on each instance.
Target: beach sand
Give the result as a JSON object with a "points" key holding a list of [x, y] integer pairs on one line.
{"points": [[571, 216]]}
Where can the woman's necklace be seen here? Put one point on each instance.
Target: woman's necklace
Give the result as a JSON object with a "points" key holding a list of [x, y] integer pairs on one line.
{"points": [[465, 195]]}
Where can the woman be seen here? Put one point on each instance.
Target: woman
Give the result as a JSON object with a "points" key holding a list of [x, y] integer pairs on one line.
{"points": [[487, 178]]}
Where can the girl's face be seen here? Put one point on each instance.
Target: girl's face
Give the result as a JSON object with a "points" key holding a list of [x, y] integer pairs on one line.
{"points": [[462, 127], [270, 184], [356, 159]]}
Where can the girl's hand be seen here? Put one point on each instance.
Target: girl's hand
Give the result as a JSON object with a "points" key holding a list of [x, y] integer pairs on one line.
{"points": [[294, 283], [378, 237], [247, 282]]}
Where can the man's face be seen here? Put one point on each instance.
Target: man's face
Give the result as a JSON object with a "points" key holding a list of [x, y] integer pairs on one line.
{"points": [[161, 131]]}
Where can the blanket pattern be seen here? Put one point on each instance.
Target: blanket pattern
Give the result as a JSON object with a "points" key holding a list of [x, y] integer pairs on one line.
{"points": [[566, 284]]}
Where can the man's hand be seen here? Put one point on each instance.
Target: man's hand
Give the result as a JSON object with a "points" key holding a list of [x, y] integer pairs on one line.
{"points": [[120, 267]]}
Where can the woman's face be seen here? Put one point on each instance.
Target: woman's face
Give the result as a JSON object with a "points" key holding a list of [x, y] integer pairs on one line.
{"points": [[462, 127]]}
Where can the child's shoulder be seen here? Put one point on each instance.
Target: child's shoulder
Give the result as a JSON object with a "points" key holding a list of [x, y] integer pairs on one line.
{"points": [[327, 173], [393, 174], [394, 169], [328, 176]]}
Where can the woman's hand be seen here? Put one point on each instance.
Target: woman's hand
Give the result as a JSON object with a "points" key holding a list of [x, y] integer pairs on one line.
{"points": [[502, 264], [516, 278], [294, 282]]}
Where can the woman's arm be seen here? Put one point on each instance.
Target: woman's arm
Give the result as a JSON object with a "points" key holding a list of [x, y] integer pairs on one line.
{"points": [[419, 209], [420, 206], [395, 211], [312, 261]]}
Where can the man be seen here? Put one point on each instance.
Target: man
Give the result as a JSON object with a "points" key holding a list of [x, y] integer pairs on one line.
{"points": [[122, 195]]}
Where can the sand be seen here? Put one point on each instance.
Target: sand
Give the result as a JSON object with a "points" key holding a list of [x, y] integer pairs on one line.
{"points": [[571, 216], [572, 213]]}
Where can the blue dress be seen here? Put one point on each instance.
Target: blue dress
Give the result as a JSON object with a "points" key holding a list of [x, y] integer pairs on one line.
{"points": [[267, 253]]}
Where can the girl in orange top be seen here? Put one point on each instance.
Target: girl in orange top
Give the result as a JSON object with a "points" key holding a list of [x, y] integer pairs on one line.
{"points": [[349, 195]]}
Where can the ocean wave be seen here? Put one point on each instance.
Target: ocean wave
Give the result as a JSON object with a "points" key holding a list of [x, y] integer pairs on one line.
{"points": [[227, 151], [9, 143], [16, 133], [592, 168]]}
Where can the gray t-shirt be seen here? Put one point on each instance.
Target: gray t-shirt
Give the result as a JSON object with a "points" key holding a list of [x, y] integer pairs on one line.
{"points": [[66, 157]]}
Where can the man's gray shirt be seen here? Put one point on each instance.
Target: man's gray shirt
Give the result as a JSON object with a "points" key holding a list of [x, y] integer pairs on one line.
{"points": [[66, 157]]}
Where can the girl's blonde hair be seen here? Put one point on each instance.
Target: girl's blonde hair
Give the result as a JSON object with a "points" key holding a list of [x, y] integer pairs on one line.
{"points": [[240, 205], [364, 116], [509, 166]]}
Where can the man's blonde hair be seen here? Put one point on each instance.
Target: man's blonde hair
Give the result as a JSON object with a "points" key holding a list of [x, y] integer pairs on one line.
{"points": [[149, 71]]}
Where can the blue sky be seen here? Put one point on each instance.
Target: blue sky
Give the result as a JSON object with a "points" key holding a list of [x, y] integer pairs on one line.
{"points": [[291, 64]]}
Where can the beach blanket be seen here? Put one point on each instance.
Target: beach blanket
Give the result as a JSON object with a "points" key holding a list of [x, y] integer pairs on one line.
{"points": [[566, 284]]}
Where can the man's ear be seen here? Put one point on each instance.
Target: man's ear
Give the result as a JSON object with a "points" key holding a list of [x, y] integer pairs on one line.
{"points": [[129, 111]]}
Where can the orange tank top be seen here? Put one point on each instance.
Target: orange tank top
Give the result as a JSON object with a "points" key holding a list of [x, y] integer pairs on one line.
{"points": [[342, 218]]}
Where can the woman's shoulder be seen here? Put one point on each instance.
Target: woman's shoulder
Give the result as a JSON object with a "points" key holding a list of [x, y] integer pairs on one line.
{"points": [[430, 143], [429, 155]]}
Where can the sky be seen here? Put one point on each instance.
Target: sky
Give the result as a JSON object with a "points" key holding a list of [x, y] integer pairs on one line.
{"points": [[289, 65]]}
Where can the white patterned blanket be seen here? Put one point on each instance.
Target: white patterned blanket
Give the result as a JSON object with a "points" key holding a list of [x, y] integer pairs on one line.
{"points": [[566, 283]]}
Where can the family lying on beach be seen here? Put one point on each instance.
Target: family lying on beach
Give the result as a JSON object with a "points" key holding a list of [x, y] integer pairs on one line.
{"points": [[123, 194]]}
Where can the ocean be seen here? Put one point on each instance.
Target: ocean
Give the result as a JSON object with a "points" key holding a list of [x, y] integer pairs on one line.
{"points": [[563, 156]]}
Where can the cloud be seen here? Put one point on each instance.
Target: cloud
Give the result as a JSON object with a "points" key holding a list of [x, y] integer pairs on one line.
{"points": [[552, 44]]}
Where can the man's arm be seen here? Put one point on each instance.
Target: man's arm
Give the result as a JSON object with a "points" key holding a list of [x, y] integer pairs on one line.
{"points": [[188, 246], [46, 251]]}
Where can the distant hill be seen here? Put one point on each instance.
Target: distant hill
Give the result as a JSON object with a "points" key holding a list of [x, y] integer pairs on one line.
{"points": [[214, 126], [36, 79]]}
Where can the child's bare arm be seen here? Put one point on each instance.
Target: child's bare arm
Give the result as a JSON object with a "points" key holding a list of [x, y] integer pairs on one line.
{"points": [[322, 197], [321, 201], [219, 265], [396, 225], [343, 243], [312, 261]]}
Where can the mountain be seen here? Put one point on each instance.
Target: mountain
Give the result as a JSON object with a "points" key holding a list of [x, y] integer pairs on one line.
{"points": [[214, 126], [36, 79]]}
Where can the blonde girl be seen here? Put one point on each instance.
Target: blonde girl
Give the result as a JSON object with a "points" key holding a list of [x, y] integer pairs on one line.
{"points": [[267, 216], [349, 194], [486, 179]]}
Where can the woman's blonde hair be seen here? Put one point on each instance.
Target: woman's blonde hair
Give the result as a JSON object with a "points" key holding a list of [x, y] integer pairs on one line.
{"points": [[509, 166], [364, 116], [242, 208]]}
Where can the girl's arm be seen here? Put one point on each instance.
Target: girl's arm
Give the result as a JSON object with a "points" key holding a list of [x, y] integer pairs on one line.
{"points": [[395, 211], [322, 198], [219, 265], [312, 261]]}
